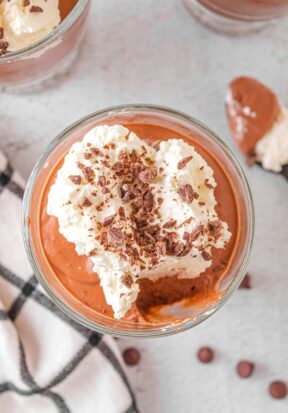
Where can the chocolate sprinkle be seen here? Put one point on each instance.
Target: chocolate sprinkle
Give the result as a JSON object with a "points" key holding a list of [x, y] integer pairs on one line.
{"points": [[184, 162], [186, 193]]}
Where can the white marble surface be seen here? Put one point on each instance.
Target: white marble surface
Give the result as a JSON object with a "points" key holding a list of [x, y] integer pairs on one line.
{"points": [[152, 51]]}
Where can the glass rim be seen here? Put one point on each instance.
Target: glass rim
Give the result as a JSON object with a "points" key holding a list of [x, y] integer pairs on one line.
{"points": [[69, 311], [49, 38]]}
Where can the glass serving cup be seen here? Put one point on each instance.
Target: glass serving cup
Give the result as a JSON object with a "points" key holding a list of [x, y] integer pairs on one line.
{"points": [[31, 68], [133, 114], [236, 16]]}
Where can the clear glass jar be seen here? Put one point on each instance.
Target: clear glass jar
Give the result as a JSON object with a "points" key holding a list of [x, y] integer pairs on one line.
{"points": [[31, 68], [149, 114], [236, 16]]}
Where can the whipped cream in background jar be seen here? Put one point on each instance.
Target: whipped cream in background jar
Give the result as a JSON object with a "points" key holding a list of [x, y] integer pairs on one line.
{"points": [[175, 318], [37, 43]]}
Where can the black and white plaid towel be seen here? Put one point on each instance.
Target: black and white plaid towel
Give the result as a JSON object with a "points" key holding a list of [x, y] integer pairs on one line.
{"points": [[48, 363]]}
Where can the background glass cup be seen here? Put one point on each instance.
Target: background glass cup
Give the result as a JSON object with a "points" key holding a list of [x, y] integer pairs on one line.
{"points": [[236, 16], [183, 124], [29, 68]]}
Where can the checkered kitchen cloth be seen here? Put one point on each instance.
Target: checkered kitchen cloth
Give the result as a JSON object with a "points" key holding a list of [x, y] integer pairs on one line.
{"points": [[48, 362]]}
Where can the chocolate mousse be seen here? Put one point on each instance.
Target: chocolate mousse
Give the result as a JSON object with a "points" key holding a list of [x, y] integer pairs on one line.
{"points": [[130, 231], [247, 9], [24, 22], [258, 123]]}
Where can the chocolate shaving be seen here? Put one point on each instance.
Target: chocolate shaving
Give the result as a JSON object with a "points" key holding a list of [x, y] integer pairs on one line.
{"points": [[186, 193], [26, 3], [149, 199], [148, 176], [184, 162], [178, 248], [3, 46], [250, 158], [87, 155], [122, 214], [191, 237], [102, 180], [96, 152], [36, 9], [86, 203], [127, 280], [115, 237], [88, 172], [206, 183], [105, 190], [215, 227], [76, 179], [206, 256], [108, 220], [170, 224], [1, 33]]}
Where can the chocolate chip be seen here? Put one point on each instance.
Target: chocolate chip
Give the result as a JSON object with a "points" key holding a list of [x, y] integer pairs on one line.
{"points": [[148, 176], [184, 162], [86, 203], [246, 282], [127, 280], [115, 237], [36, 9], [205, 354], [186, 193], [278, 389], [131, 356], [245, 368], [108, 220], [206, 256], [76, 179]]}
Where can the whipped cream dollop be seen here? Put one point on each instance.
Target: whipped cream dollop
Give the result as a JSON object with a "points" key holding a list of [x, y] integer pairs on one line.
{"points": [[272, 149], [24, 22], [137, 211]]}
